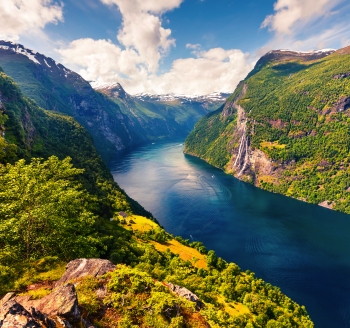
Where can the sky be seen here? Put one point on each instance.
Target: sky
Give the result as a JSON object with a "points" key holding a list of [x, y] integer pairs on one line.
{"points": [[172, 46]]}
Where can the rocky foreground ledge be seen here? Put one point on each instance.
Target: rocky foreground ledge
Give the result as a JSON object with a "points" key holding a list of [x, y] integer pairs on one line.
{"points": [[61, 307]]}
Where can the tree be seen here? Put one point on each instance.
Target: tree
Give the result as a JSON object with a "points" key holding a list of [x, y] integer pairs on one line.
{"points": [[211, 259], [43, 211]]}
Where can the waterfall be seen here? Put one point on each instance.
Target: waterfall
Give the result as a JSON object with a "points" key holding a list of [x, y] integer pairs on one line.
{"points": [[242, 158]]}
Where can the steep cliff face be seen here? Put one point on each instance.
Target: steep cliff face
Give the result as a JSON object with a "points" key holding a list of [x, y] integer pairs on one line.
{"points": [[286, 127]]}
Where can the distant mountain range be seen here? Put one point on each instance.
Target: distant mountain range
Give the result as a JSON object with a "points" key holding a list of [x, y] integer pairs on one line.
{"points": [[216, 98], [115, 119]]}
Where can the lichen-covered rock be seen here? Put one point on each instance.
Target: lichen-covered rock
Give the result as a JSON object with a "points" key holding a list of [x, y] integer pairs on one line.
{"points": [[14, 315], [85, 267], [187, 294]]}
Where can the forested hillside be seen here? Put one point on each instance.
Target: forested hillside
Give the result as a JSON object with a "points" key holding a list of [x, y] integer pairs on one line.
{"points": [[56, 208], [286, 128]]}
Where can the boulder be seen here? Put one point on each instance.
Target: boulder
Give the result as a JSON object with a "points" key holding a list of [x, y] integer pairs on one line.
{"points": [[14, 315], [187, 294], [85, 267], [61, 303]]}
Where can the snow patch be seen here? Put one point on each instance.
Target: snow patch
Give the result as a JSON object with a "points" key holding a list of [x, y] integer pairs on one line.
{"points": [[183, 98], [46, 63], [26, 53], [104, 85], [306, 52]]}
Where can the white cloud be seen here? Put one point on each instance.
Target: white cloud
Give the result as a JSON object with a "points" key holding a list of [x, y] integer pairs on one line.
{"points": [[213, 70], [293, 14], [96, 59], [23, 17], [307, 25], [345, 41], [335, 37], [142, 28], [143, 42]]}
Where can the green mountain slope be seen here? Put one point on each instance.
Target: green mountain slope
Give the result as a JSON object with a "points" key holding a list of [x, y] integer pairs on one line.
{"points": [[29, 131], [51, 213], [114, 124], [286, 128], [56, 88]]}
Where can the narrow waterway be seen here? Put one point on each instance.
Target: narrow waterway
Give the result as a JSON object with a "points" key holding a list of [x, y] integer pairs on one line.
{"points": [[302, 248]]}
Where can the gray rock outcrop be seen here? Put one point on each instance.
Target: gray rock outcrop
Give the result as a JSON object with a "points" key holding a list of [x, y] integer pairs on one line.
{"points": [[61, 304], [187, 294], [14, 315], [85, 267]]}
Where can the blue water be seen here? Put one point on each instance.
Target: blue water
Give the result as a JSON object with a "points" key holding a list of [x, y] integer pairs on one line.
{"points": [[302, 248]]}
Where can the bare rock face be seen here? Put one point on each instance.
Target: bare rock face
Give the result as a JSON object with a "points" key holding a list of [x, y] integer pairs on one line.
{"points": [[61, 304], [85, 267], [6, 298], [187, 294], [14, 315], [343, 104], [326, 204]]}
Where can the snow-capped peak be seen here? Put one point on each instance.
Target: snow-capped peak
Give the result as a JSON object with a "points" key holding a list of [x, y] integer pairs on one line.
{"points": [[320, 51], [114, 89], [105, 85], [17, 48], [213, 97], [46, 63]]}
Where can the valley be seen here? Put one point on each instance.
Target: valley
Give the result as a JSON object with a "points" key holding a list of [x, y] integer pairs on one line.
{"points": [[174, 164], [58, 202], [59, 131], [296, 246]]}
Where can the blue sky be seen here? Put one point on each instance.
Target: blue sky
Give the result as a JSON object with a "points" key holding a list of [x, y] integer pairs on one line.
{"points": [[164, 46]]}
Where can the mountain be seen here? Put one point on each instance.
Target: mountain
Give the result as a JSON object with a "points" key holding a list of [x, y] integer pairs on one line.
{"points": [[166, 115], [215, 99], [57, 213], [114, 123], [286, 128], [29, 131]]}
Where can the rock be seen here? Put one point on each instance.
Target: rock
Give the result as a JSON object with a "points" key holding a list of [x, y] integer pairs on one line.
{"points": [[343, 104], [62, 303], [187, 294], [326, 204], [341, 76], [14, 315], [7, 297], [85, 267]]}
